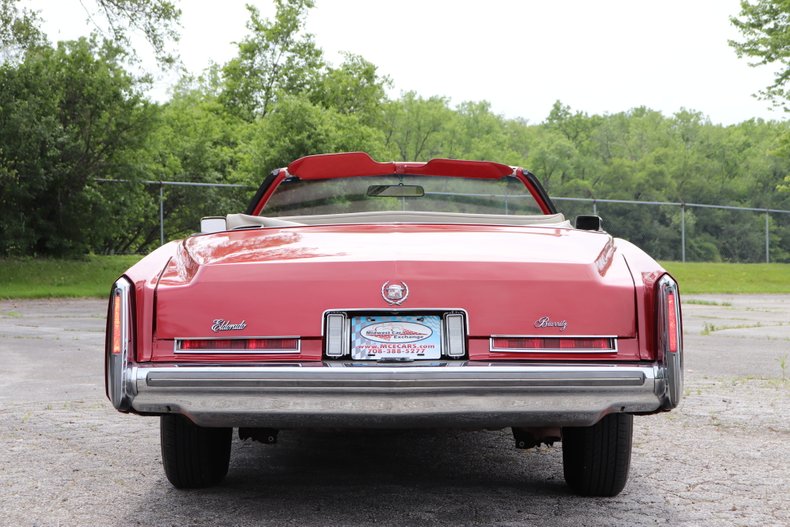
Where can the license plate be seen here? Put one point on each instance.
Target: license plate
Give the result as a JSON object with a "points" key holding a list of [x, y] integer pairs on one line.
{"points": [[396, 337]]}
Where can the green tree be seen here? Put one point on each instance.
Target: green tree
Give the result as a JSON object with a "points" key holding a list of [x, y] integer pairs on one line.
{"points": [[416, 129], [765, 27], [481, 133], [194, 139], [276, 57], [297, 127], [551, 157], [68, 115], [353, 88], [19, 30], [156, 20]]}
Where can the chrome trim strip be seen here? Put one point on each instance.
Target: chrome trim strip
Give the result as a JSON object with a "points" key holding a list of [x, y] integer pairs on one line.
{"points": [[222, 351], [544, 336], [433, 377], [239, 337], [596, 351], [237, 352]]}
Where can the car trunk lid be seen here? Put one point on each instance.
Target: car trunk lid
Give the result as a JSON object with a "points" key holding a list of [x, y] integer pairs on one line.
{"points": [[281, 282]]}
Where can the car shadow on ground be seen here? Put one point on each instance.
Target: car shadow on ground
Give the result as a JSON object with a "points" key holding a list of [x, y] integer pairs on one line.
{"points": [[387, 478]]}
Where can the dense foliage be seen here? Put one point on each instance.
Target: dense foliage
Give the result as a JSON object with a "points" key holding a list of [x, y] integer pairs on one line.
{"points": [[765, 28], [71, 116], [68, 116]]}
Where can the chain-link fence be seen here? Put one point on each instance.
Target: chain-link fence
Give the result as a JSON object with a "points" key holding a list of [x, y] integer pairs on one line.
{"points": [[674, 231], [692, 231]]}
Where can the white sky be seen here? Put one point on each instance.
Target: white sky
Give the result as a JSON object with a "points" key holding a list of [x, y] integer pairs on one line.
{"points": [[602, 56]]}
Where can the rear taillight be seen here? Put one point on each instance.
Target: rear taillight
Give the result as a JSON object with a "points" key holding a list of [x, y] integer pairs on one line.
{"points": [[672, 322], [337, 339], [116, 323], [669, 338], [554, 344], [119, 344], [454, 335], [239, 345]]}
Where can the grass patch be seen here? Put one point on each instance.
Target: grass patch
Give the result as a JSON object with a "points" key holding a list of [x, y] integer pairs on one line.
{"points": [[698, 278], [710, 328], [91, 276], [698, 302]]}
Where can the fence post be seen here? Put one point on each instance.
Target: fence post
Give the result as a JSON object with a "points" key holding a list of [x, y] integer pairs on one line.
{"points": [[595, 208], [161, 213], [683, 232], [767, 240]]}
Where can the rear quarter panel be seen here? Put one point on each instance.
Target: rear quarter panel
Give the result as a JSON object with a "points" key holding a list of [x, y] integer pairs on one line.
{"points": [[646, 272], [144, 276]]}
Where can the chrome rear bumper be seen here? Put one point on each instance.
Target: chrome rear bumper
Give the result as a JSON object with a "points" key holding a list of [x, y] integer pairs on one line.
{"points": [[462, 395]]}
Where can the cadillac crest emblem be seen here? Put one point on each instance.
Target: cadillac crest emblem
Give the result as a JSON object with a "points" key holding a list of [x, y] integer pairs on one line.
{"points": [[394, 293]]}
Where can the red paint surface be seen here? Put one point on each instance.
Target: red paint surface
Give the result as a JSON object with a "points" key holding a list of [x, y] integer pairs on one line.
{"points": [[325, 166]]}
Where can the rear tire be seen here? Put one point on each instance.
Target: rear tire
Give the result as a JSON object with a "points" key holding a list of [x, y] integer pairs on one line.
{"points": [[596, 458], [194, 456]]}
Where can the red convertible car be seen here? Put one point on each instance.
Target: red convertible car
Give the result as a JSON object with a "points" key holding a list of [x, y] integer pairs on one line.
{"points": [[359, 294]]}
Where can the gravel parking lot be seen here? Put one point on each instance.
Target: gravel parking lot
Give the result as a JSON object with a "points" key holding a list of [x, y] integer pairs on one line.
{"points": [[68, 458]]}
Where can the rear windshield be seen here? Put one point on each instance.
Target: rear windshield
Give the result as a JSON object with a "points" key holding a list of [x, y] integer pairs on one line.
{"points": [[295, 197]]}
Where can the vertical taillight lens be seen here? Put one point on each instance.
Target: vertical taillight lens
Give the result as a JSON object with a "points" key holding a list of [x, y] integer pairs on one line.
{"points": [[119, 343], [337, 339], [116, 322], [669, 339], [454, 335], [672, 321]]}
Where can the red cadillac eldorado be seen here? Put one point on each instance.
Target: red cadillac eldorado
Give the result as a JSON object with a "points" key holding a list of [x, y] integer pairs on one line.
{"points": [[359, 294]]}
